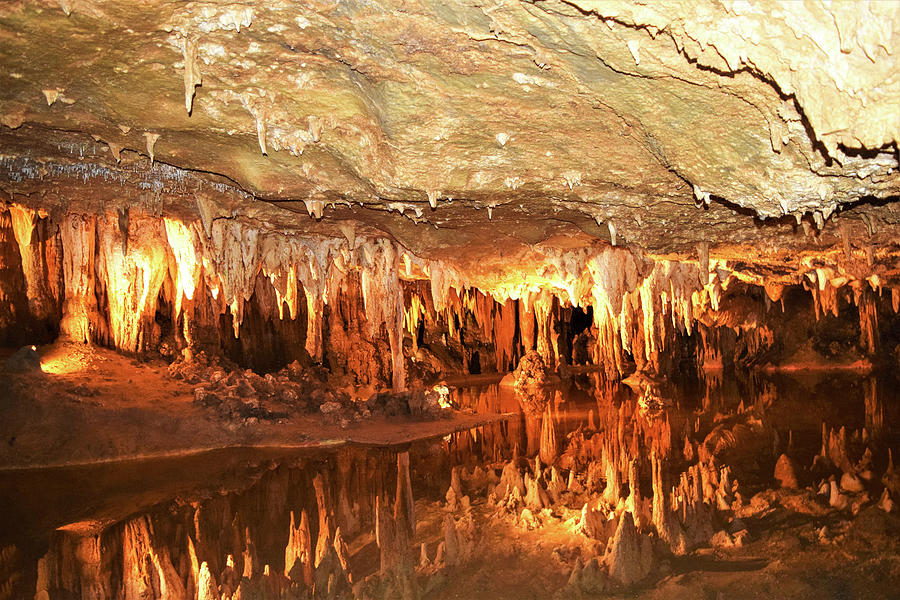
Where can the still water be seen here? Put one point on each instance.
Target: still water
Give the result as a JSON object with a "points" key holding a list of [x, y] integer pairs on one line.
{"points": [[350, 518]]}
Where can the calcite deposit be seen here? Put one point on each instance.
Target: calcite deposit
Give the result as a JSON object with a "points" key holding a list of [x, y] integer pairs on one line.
{"points": [[638, 160], [257, 224]]}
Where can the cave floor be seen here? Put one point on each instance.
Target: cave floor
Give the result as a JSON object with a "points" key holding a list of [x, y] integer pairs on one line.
{"points": [[91, 404]]}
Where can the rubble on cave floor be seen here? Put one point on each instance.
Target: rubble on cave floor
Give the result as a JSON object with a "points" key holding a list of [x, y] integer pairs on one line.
{"points": [[245, 397], [97, 404]]}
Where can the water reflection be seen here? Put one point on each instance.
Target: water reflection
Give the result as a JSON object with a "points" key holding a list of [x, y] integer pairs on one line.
{"points": [[362, 520]]}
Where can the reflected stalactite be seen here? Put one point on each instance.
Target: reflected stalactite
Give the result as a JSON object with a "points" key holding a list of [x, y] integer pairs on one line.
{"points": [[875, 425], [870, 334], [298, 557], [604, 470], [147, 570], [236, 546]]}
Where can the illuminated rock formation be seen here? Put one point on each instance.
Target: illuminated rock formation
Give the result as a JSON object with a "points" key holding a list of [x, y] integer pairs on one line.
{"points": [[328, 215]]}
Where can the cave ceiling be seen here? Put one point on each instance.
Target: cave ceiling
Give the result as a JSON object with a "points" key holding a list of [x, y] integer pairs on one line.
{"points": [[475, 132]]}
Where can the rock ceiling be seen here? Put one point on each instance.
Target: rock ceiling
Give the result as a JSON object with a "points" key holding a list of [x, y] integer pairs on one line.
{"points": [[472, 124]]}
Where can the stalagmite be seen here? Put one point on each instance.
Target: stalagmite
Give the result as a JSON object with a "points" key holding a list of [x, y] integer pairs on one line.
{"points": [[536, 497], [786, 472], [454, 495], [667, 526], [835, 498], [451, 542], [612, 491]]}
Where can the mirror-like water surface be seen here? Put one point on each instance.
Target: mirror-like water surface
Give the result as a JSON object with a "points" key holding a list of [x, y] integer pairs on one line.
{"points": [[582, 489]]}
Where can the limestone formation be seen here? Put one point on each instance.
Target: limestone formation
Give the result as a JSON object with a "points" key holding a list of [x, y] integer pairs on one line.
{"points": [[630, 554], [786, 472], [331, 219]]}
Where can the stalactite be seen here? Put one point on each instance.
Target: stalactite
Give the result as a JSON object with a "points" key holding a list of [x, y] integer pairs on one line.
{"points": [[298, 558], [40, 261], [546, 343], [527, 323], [414, 315], [383, 300], [184, 245], [703, 253], [311, 271], [870, 335], [874, 409], [192, 76], [78, 234], [234, 253], [207, 587], [209, 264], [132, 279], [147, 568], [23, 222]]}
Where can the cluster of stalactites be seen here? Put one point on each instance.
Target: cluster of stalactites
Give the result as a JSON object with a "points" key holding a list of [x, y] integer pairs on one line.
{"points": [[117, 264], [116, 267], [235, 253], [639, 305], [496, 322], [828, 289]]}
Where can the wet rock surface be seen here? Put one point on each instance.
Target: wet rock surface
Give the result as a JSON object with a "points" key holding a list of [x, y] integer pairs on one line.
{"points": [[646, 112]]}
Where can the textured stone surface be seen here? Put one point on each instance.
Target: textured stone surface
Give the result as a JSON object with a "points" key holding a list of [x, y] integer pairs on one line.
{"points": [[485, 124]]}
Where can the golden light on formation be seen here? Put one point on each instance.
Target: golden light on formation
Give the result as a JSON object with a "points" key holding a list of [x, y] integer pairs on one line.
{"points": [[181, 240]]}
